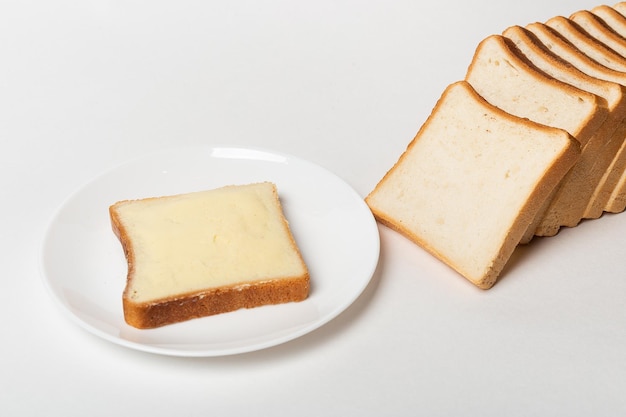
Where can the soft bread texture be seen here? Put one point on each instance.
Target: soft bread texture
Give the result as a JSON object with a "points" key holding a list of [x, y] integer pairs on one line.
{"points": [[614, 19], [203, 253], [616, 183], [609, 185], [610, 17], [587, 44], [507, 82], [468, 149], [620, 8], [588, 177], [598, 36], [504, 79], [593, 26]]}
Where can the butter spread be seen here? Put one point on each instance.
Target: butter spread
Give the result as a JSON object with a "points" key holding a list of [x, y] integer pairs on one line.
{"points": [[186, 243]]}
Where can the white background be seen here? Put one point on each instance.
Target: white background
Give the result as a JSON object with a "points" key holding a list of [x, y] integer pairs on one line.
{"points": [[86, 85]]}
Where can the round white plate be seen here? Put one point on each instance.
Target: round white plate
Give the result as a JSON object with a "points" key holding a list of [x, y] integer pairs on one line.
{"points": [[84, 267]]}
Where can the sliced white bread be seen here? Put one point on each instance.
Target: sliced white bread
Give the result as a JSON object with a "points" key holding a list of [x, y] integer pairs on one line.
{"points": [[596, 28], [611, 18], [204, 253], [620, 8], [505, 80], [471, 182], [599, 153], [609, 184], [590, 46], [613, 193], [616, 22]]}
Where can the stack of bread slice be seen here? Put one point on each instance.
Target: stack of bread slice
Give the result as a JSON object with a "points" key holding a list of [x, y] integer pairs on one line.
{"points": [[532, 140]]}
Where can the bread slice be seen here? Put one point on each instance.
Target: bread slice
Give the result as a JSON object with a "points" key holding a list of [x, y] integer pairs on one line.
{"points": [[471, 181], [587, 44], [564, 49], [553, 41], [602, 32], [616, 23], [594, 27], [610, 17], [599, 153], [505, 80], [620, 8], [208, 252]]}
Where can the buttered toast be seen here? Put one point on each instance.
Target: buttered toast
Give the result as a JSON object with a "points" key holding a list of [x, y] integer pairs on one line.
{"points": [[208, 252]]}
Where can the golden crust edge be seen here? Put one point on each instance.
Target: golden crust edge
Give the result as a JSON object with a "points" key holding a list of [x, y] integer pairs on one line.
{"points": [[152, 314]]}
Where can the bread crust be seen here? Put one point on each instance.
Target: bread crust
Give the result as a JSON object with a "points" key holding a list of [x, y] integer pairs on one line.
{"points": [[215, 301], [583, 130], [589, 45], [611, 183], [591, 179], [183, 307]]}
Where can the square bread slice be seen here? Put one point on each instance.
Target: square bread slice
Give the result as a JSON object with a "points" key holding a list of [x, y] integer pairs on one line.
{"points": [[471, 181], [209, 252], [600, 151], [509, 82]]}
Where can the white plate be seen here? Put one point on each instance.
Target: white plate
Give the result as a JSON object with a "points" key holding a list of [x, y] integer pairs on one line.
{"points": [[84, 267]]}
